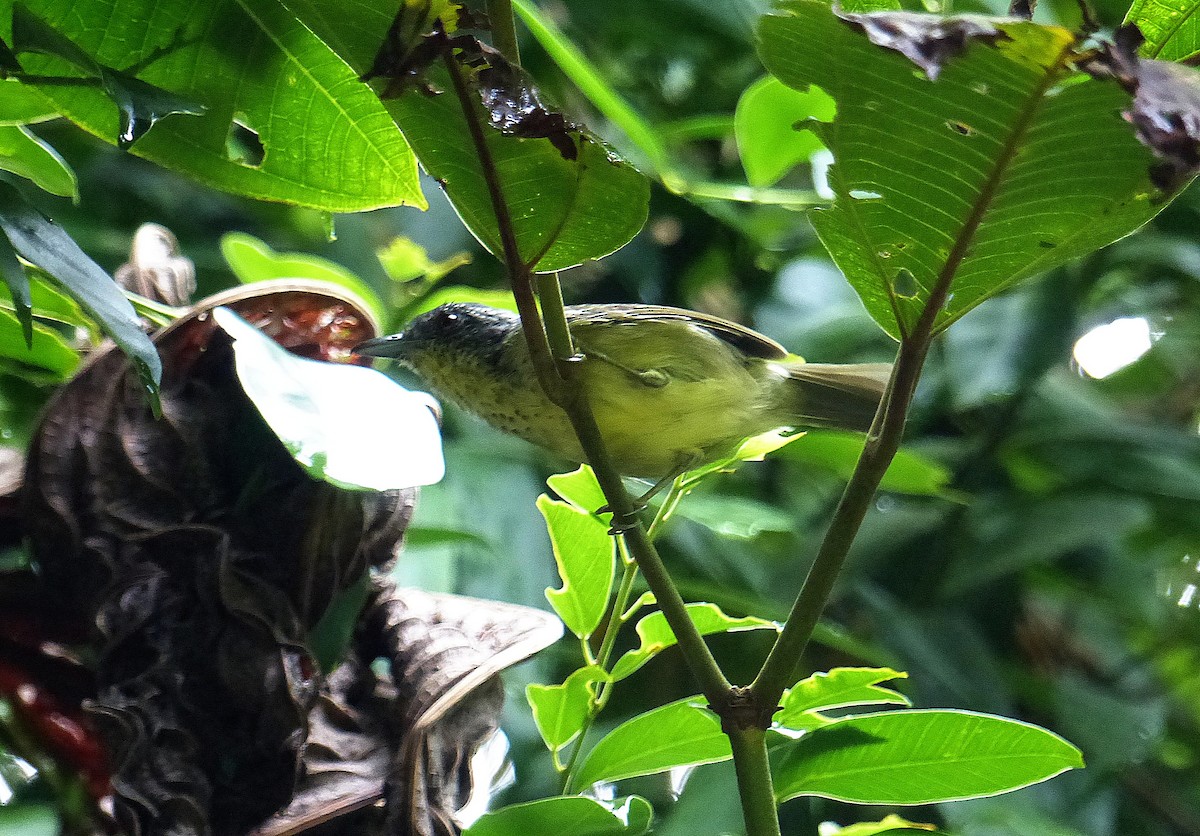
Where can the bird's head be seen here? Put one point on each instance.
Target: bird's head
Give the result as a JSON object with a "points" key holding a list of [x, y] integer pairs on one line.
{"points": [[462, 330]]}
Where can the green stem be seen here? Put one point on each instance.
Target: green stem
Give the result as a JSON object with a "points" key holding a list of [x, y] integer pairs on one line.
{"points": [[882, 443], [519, 273], [504, 29], [755, 787], [883, 440]]}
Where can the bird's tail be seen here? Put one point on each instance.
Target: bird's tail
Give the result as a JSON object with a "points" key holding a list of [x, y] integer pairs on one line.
{"points": [[844, 396]]}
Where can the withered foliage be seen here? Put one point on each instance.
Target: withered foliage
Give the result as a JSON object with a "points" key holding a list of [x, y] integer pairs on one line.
{"points": [[509, 99], [196, 557], [926, 40], [1165, 111]]}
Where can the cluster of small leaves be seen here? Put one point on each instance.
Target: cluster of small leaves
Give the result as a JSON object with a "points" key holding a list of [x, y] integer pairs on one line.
{"points": [[815, 753]]}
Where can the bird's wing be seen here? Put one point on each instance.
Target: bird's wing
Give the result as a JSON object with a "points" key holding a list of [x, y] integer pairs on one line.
{"points": [[740, 337]]}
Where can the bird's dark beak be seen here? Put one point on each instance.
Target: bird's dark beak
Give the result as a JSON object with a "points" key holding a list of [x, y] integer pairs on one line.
{"points": [[394, 346]]}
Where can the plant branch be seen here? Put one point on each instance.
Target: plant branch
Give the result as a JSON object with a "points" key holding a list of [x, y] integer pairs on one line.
{"points": [[565, 390], [519, 272], [883, 440], [755, 787], [882, 443], [504, 29]]}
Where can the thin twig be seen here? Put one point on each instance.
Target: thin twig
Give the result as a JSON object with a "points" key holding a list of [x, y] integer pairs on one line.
{"points": [[571, 396]]}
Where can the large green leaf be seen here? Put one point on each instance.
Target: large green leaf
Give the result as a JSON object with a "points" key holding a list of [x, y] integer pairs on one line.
{"points": [[1171, 28], [327, 141], [564, 211], [920, 757], [1007, 163], [682, 733], [33, 158], [567, 816], [21, 104], [348, 425]]}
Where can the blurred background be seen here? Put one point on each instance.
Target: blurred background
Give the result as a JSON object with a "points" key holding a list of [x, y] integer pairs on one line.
{"points": [[1038, 556]]}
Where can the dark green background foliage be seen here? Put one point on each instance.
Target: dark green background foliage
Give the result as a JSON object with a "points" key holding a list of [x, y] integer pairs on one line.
{"points": [[1039, 576]]}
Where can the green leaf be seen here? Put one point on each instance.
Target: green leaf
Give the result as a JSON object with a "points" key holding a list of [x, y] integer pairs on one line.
{"points": [[585, 555], [891, 826], [326, 140], [656, 636], [24, 154], [42, 242], [21, 104], [428, 535], [17, 281], [463, 293], [838, 688], [734, 516], [768, 140], [351, 426], [1171, 28], [252, 260], [921, 757], [567, 816], [139, 105], [909, 472], [753, 449], [981, 178], [47, 358], [560, 711], [48, 302], [682, 733], [404, 260], [331, 635], [564, 211], [29, 820], [579, 487]]}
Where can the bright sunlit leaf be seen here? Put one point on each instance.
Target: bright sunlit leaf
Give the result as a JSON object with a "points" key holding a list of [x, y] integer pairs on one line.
{"points": [[351, 426]]}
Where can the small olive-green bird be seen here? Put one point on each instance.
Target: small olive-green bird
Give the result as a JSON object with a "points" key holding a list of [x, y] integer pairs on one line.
{"points": [[670, 389]]}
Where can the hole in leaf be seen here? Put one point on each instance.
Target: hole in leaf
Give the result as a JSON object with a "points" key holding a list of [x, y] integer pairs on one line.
{"points": [[1047, 245], [242, 144], [960, 127], [864, 194], [905, 283], [900, 245], [980, 88], [884, 254]]}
